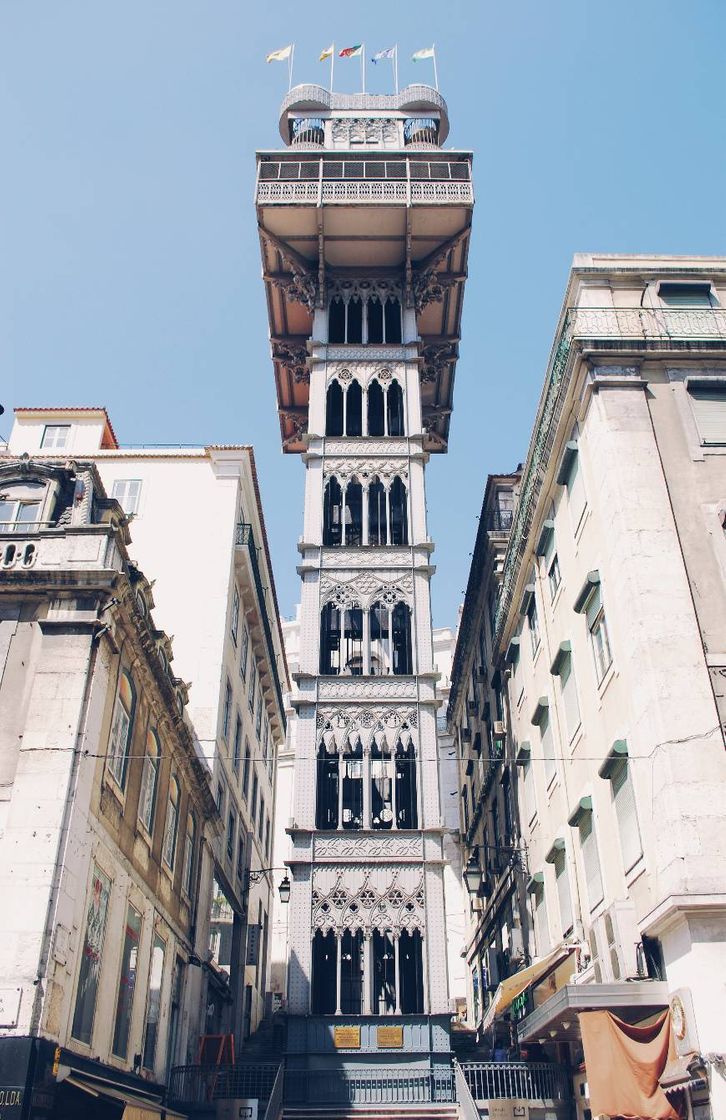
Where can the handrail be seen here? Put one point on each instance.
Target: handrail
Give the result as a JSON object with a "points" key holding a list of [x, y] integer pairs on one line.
{"points": [[370, 1085], [245, 537], [276, 1101], [464, 1099], [204, 1084], [515, 1080], [342, 167]]}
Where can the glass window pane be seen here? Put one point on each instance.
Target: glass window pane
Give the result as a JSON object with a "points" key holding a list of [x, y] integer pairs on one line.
{"points": [[127, 982], [91, 959], [156, 973]]}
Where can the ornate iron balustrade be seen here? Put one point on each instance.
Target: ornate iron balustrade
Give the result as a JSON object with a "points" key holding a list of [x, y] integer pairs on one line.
{"points": [[199, 1085], [597, 324], [319, 95], [516, 1080], [375, 1085], [245, 539], [332, 180]]}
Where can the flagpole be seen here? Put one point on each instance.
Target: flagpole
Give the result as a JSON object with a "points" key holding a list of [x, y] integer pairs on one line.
{"points": [[436, 76], [395, 65], [289, 68], [332, 64], [363, 66]]}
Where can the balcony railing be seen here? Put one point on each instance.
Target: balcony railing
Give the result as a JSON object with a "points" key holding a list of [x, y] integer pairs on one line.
{"points": [[377, 1085], [657, 323], [331, 180], [516, 1080], [245, 539]]}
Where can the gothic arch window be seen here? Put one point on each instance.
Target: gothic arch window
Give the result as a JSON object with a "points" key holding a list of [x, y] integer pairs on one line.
{"points": [[376, 641], [332, 513], [354, 410], [351, 972], [402, 652], [384, 973], [410, 965], [376, 409], [365, 317], [324, 978], [351, 792], [326, 810], [375, 320], [336, 320], [392, 321], [406, 785], [334, 410], [382, 785], [354, 326], [394, 409], [380, 632], [398, 512], [353, 514], [122, 729], [377, 521], [341, 641]]}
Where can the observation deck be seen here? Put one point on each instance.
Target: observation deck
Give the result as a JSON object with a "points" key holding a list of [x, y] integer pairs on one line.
{"points": [[363, 188]]}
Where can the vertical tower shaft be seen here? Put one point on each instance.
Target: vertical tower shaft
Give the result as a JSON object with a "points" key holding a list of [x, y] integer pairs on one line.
{"points": [[364, 227]]}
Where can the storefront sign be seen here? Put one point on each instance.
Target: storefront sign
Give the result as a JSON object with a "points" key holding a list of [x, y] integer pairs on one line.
{"points": [[11, 1101], [389, 1038], [522, 1005], [346, 1038]]}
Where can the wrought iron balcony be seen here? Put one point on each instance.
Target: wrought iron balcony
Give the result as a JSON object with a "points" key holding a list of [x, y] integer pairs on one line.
{"points": [[245, 539], [647, 323], [332, 179]]}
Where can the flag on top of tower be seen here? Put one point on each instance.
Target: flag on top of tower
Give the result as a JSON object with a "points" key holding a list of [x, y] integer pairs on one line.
{"points": [[351, 52], [389, 52], [280, 56], [425, 52], [327, 53]]}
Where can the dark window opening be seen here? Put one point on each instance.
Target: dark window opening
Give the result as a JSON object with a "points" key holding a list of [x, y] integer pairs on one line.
{"points": [[354, 410], [394, 405], [393, 320], [376, 425], [380, 640], [377, 533], [382, 779], [336, 321], [352, 766], [326, 813], [355, 321], [399, 513], [375, 320], [334, 410], [324, 979], [402, 659], [329, 640], [353, 514], [406, 785], [411, 972], [351, 972], [384, 973], [332, 513]]}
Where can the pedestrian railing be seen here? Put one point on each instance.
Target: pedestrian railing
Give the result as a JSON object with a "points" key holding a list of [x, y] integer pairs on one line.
{"points": [[516, 1080], [377, 1085], [199, 1085]]}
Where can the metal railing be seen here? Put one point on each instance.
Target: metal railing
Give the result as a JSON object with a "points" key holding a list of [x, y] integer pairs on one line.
{"points": [[498, 520], [337, 169], [331, 180], [277, 1096], [516, 1080], [190, 1085], [672, 323], [376, 1085], [467, 1105], [245, 539]]}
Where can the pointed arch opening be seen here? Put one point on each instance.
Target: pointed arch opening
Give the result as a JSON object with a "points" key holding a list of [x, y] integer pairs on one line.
{"points": [[332, 513], [336, 320], [377, 520], [382, 785], [410, 963], [353, 514], [394, 409], [334, 410], [375, 320], [325, 969], [380, 637], [401, 627], [399, 512], [392, 320], [354, 410], [406, 784], [352, 786], [326, 804], [376, 409], [384, 973]]}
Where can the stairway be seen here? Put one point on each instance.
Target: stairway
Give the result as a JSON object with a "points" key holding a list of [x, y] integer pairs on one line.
{"points": [[372, 1112]]}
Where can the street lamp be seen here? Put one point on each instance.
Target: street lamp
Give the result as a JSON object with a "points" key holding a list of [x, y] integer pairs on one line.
{"points": [[473, 876], [284, 887]]}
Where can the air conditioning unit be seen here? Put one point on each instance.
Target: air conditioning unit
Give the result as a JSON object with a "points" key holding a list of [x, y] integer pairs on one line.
{"points": [[500, 729], [613, 938]]}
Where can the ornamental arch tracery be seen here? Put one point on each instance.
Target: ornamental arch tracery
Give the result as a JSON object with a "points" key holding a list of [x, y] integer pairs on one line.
{"points": [[367, 786], [364, 509], [355, 406]]}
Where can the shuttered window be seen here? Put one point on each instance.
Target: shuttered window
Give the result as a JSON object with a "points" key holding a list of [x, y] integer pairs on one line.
{"points": [[563, 891], [709, 409], [541, 929], [548, 747], [625, 810], [568, 688], [591, 860], [576, 497], [530, 801]]}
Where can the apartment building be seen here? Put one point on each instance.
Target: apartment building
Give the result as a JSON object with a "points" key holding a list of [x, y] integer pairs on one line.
{"points": [[106, 810], [199, 534]]}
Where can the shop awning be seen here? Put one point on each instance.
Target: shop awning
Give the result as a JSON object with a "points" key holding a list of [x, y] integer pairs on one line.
{"points": [[136, 1106], [510, 988]]}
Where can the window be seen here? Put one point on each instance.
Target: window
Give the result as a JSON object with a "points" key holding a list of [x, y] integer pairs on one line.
{"points": [[231, 825], [261, 819], [258, 717], [600, 644], [246, 770], [693, 294], [252, 688], [406, 782], [563, 891], [227, 710], [394, 409], [570, 476], [530, 801], [398, 512], [377, 519], [253, 804], [533, 620], [170, 826], [708, 401], [548, 746], [189, 844], [240, 853], [368, 321], [220, 799], [590, 859], [568, 691], [56, 436], [541, 925], [354, 410], [352, 785], [554, 577], [324, 973], [127, 982], [153, 1004], [376, 409], [90, 969], [237, 744], [267, 837], [16, 516], [334, 409], [121, 728], [149, 780], [127, 492], [623, 794], [234, 620], [244, 652], [332, 513], [326, 810]]}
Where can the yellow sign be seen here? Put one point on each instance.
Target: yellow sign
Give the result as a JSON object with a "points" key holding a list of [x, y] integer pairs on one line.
{"points": [[390, 1038], [346, 1038]]}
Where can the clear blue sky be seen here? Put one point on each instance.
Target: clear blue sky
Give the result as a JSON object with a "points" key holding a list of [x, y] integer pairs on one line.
{"points": [[129, 263]]}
